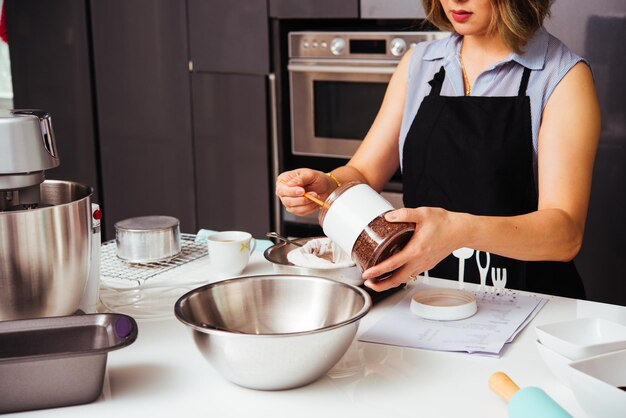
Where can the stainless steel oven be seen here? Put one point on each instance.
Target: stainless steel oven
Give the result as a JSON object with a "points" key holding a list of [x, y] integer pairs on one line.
{"points": [[337, 82]]}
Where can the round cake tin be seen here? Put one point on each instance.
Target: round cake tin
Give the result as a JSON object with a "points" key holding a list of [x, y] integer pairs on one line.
{"points": [[148, 239]]}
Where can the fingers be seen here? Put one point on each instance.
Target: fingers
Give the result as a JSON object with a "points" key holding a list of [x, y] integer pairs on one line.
{"points": [[291, 187], [389, 283], [396, 278], [393, 263], [402, 215], [413, 255], [416, 257], [301, 177], [284, 190], [392, 272], [294, 200], [299, 206]]}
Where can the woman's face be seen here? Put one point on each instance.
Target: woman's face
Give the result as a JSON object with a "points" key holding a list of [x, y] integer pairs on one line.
{"points": [[469, 17]]}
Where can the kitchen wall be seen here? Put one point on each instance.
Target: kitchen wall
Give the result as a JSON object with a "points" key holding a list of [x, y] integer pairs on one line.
{"points": [[596, 30], [153, 133]]}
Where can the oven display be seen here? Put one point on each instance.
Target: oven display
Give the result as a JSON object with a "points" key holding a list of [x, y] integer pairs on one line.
{"points": [[345, 110], [368, 46]]}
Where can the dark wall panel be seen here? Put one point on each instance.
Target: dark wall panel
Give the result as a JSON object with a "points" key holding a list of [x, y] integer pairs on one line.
{"points": [[314, 9], [231, 143], [143, 102], [229, 37]]}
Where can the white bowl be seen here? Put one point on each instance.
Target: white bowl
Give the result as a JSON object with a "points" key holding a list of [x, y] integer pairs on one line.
{"points": [[556, 363], [595, 382], [581, 338]]}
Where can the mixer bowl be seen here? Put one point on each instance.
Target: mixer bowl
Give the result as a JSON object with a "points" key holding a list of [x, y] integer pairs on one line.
{"points": [[273, 332], [45, 253]]}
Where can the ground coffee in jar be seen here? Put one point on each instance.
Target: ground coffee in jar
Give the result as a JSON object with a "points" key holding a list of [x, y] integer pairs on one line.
{"points": [[354, 217]]}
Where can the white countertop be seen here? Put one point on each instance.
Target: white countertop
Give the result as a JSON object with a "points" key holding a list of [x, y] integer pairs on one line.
{"points": [[162, 374]]}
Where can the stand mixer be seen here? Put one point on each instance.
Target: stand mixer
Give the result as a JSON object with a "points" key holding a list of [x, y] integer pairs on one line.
{"points": [[47, 227], [27, 149]]}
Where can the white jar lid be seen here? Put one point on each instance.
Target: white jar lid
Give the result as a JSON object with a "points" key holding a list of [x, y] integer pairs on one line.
{"points": [[443, 304]]}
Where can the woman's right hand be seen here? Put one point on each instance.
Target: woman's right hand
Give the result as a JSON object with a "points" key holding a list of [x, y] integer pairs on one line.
{"points": [[291, 186]]}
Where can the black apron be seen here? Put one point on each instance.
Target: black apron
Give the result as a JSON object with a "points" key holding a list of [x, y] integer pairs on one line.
{"points": [[474, 154]]}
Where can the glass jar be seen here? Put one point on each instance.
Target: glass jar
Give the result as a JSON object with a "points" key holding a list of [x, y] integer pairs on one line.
{"points": [[353, 216]]}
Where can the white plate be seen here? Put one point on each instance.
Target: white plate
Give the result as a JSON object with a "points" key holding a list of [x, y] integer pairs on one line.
{"points": [[556, 363], [581, 338], [443, 304], [595, 383]]}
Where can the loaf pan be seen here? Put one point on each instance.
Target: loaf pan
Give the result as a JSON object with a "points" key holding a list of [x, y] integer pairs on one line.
{"points": [[58, 361]]}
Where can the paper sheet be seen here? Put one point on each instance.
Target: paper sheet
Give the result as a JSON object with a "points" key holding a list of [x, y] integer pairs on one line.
{"points": [[499, 319]]}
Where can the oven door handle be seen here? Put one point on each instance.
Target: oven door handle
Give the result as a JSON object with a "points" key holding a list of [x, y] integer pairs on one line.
{"points": [[344, 69]]}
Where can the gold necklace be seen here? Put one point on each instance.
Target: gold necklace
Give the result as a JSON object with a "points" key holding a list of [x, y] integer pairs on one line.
{"points": [[468, 86]]}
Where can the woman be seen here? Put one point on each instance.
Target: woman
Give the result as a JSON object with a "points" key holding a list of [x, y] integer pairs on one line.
{"points": [[495, 129]]}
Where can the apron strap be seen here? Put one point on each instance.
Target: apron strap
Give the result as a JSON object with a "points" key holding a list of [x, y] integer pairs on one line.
{"points": [[524, 83], [437, 82]]}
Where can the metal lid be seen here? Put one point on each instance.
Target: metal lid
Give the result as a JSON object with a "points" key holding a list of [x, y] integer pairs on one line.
{"points": [[27, 148], [26, 141], [147, 223]]}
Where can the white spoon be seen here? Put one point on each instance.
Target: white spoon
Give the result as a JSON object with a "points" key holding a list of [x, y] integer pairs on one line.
{"points": [[462, 254]]}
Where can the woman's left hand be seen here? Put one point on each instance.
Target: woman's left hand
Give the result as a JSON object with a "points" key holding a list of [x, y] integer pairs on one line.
{"points": [[436, 236]]}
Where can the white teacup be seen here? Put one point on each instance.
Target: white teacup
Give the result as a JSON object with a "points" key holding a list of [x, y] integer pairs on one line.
{"points": [[229, 251]]}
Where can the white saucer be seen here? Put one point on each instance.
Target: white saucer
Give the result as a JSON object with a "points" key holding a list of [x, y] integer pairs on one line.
{"points": [[443, 304]]}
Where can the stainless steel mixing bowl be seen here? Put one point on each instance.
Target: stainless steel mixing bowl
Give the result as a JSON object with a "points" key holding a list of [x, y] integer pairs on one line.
{"points": [[273, 332], [45, 253]]}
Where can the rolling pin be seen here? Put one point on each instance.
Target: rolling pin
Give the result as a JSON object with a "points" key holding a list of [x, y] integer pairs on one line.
{"points": [[530, 402]]}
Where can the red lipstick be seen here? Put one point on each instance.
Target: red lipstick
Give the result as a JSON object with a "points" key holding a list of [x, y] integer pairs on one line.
{"points": [[461, 15]]}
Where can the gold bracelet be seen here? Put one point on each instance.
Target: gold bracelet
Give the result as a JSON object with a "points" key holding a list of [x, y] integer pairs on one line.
{"points": [[329, 174]]}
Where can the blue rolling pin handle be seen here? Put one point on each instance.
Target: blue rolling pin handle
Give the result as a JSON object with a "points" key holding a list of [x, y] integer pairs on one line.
{"points": [[532, 402]]}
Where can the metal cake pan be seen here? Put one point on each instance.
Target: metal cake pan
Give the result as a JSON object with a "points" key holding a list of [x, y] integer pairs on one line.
{"points": [[58, 361], [148, 239]]}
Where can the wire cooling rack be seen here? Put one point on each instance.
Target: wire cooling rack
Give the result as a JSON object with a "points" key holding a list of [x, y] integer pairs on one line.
{"points": [[113, 268]]}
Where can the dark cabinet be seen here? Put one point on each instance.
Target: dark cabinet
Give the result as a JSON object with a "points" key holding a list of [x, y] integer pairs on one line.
{"points": [[231, 152], [143, 106], [229, 37], [390, 9], [314, 9]]}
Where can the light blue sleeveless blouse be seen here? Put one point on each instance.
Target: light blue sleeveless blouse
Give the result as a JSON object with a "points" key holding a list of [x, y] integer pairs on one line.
{"points": [[547, 57]]}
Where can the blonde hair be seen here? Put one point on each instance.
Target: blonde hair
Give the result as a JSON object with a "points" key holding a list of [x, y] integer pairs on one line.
{"points": [[516, 21]]}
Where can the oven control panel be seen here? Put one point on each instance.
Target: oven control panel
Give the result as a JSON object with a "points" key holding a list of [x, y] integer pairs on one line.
{"points": [[358, 45]]}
